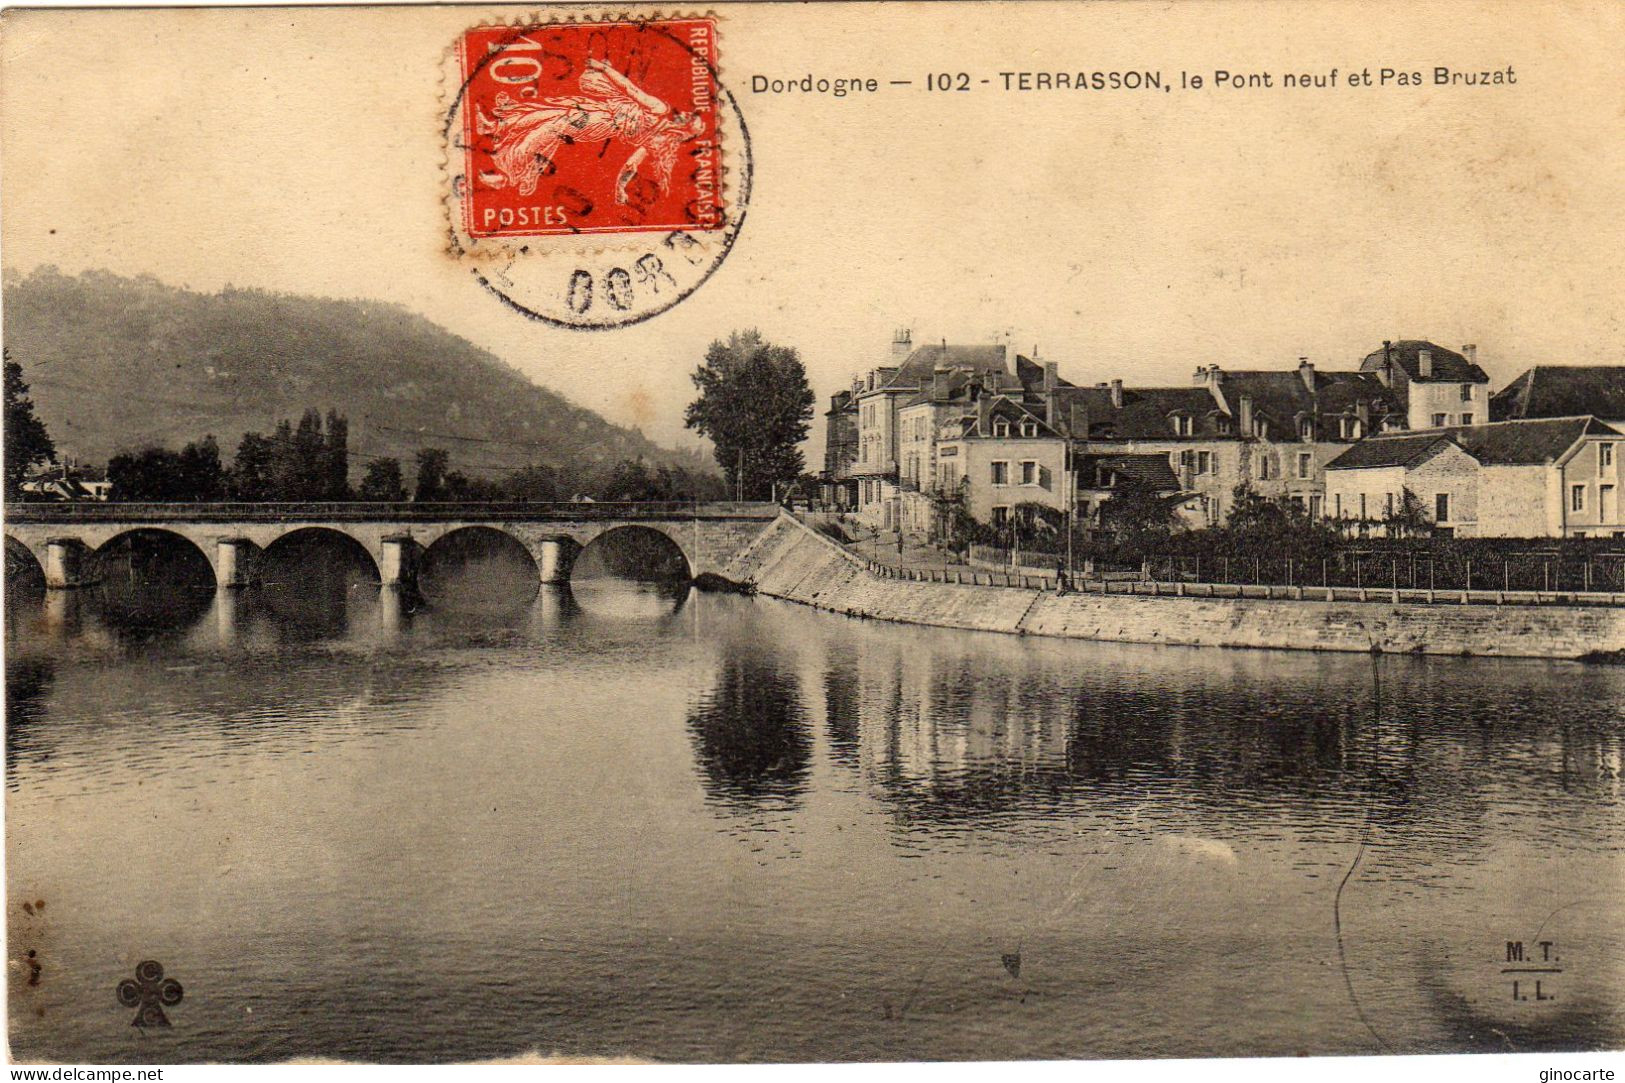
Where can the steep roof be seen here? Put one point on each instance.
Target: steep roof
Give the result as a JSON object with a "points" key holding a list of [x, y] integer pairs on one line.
{"points": [[1399, 449], [1282, 396], [1526, 442], [1503, 443], [1448, 365], [915, 372], [1088, 412], [1562, 391], [1013, 411], [1153, 471]]}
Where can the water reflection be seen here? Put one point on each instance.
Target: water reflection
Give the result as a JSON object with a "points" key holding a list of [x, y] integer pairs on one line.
{"points": [[711, 827], [750, 730]]}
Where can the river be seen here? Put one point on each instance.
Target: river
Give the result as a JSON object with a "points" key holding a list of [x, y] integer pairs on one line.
{"points": [[636, 821]]}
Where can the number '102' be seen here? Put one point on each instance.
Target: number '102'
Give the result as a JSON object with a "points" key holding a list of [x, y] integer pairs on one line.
{"points": [[947, 81]]}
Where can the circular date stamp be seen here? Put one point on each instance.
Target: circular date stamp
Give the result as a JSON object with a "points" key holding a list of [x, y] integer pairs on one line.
{"points": [[597, 171]]}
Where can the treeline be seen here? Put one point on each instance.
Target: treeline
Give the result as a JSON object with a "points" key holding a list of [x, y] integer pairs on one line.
{"points": [[310, 461]]}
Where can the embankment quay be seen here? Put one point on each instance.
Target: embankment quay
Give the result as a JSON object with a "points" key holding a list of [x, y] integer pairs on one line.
{"points": [[775, 554], [794, 562]]}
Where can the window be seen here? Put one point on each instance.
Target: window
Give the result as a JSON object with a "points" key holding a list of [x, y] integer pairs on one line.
{"points": [[1466, 419], [1440, 420], [1605, 456], [1001, 515], [1577, 498], [1029, 472], [1306, 430], [1187, 460], [1607, 503], [1388, 505], [1441, 507], [1350, 428], [1001, 473], [1362, 506], [1263, 467], [1466, 392], [1315, 505], [1204, 462], [1305, 462], [1029, 427], [1337, 505]]}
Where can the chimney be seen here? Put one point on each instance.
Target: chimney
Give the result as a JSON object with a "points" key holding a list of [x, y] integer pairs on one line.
{"points": [[901, 344], [1201, 376], [983, 406], [1306, 370], [1079, 421], [1052, 375], [1424, 364], [1245, 405], [1470, 352], [1117, 394], [939, 385]]}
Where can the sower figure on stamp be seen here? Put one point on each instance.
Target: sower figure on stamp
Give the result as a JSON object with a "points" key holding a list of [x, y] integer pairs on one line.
{"points": [[610, 106]]}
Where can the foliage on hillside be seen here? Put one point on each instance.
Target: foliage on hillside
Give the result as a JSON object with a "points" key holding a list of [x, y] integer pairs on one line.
{"points": [[121, 364]]}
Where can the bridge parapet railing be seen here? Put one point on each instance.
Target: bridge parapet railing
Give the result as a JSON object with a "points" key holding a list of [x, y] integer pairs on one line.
{"points": [[365, 511]]}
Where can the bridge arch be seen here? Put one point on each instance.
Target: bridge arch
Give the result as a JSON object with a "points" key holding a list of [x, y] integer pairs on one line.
{"points": [[318, 535], [24, 568], [645, 551], [140, 544], [480, 565]]}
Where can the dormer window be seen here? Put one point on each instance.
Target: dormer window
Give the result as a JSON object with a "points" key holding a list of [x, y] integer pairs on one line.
{"points": [[1029, 427], [1306, 430], [1001, 428], [1182, 424], [1349, 428]]}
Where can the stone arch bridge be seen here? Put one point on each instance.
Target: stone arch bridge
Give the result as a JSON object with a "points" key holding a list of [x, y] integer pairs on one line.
{"points": [[63, 538]]}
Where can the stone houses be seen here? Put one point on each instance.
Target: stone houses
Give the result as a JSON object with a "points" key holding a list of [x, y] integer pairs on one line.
{"points": [[840, 489], [999, 430], [1549, 477], [1000, 456], [899, 407], [1434, 387]]}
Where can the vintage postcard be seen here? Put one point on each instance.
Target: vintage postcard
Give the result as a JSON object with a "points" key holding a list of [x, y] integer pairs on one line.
{"points": [[814, 533]]}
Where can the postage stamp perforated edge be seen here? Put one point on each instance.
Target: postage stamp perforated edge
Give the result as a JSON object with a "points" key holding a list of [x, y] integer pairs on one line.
{"points": [[463, 247]]}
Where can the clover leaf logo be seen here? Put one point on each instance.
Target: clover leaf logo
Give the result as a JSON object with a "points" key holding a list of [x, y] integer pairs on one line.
{"points": [[149, 992]]}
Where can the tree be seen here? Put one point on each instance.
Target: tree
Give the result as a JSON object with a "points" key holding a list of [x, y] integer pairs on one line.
{"points": [[535, 482], [201, 474], [432, 463], [26, 442], [190, 475], [754, 405], [1410, 519], [1136, 514], [250, 477], [295, 463], [336, 457], [383, 482]]}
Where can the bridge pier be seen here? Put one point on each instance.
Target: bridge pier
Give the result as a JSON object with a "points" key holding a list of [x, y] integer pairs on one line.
{"points": [[398, 561], [231, 564], [65, 563], [558, 557]]}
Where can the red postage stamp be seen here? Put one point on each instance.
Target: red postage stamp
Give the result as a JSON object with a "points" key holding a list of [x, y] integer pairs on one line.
{"points": [[593, 127]]}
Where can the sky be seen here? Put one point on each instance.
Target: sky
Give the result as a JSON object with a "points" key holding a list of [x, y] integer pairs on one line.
{"points": [[1121, 234]]}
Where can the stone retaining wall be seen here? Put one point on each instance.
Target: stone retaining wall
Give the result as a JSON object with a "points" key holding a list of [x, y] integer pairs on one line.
{"points": [[793, 562]]}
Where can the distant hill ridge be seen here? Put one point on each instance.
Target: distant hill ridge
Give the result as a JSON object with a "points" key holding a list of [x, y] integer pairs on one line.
{"points": [[120, 363]]}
